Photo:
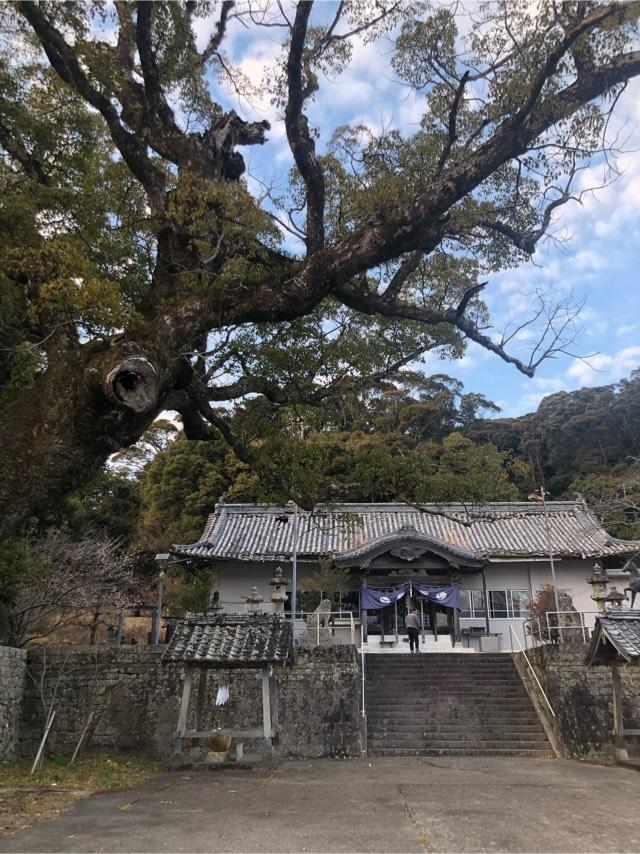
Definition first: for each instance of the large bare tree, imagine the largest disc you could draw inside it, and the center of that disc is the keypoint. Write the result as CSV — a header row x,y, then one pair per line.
x,y
398,232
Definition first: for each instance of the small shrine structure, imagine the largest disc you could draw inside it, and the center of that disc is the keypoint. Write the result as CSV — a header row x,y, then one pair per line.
x,y
206,642
616,642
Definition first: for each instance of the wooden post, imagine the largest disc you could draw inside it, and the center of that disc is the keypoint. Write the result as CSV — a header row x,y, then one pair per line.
x,y
618,725
395,609
201,697
457,636
364,616
184,710
487,624
38,761
434,617
81,739
266,711
273,696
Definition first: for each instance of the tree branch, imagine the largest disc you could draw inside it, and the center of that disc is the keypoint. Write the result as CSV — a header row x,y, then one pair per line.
x,y
150,73
300,141
218,35
452,125
64,60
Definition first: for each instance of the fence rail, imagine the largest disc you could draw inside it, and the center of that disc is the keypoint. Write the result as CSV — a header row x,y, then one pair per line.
x,y
559,627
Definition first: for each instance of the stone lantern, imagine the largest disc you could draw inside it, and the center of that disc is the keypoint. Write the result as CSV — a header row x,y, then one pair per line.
x,y
614,598
253,601
279,596
598,581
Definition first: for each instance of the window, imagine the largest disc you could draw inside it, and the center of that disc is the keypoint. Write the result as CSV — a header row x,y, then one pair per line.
x,y
472,604
519,604
498,604
503,604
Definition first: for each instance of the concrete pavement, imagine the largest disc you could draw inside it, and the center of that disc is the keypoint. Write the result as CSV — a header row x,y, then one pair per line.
x,y
372,805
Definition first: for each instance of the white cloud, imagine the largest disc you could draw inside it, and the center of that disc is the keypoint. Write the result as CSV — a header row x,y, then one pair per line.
x,y
604,368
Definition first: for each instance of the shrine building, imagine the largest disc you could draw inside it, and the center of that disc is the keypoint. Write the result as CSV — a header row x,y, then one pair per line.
x,y
497,556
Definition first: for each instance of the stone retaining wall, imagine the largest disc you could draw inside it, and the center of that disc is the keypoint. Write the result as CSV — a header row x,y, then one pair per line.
x,y
12,684
581,698
136,700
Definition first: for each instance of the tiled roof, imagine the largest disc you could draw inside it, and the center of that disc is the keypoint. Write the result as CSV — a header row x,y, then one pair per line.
x,y
408,533
497,530
231,640
618,631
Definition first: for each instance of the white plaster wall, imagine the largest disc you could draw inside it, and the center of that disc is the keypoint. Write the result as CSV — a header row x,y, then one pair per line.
x,y
237,580
531,575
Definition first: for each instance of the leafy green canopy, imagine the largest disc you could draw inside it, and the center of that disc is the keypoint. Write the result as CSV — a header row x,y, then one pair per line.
x,y
139,273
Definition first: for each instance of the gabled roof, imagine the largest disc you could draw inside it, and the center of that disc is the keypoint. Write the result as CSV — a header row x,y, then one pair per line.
x,y
248,532
616,638
409,539
231,640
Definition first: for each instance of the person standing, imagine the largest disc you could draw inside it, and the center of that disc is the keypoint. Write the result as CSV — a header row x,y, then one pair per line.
x,y
412,625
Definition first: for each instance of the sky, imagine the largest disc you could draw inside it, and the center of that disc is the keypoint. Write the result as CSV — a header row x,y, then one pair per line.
x,y
596,257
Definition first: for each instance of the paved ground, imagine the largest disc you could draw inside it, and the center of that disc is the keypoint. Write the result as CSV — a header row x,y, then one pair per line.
x,y
374,805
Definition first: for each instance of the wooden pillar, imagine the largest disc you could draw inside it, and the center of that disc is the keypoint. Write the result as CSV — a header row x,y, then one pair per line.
x,y
364,614
395,614
618,725
266,711
487,624
200,698
434,619
184,710
273,696
457,635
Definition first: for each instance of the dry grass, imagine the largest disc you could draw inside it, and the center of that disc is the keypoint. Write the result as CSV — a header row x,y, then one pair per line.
x,y
25,799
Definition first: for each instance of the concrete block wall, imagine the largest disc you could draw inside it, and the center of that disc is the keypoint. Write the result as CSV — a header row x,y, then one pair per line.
x,y
581,698
13,666
136,699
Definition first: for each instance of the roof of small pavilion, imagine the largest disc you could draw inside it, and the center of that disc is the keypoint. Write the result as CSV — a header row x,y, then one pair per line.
x,y
497,530
616,638
231,640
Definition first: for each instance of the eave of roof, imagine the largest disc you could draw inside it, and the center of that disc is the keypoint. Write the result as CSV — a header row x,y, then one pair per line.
x,y
621,629
411,536
498,530
230,640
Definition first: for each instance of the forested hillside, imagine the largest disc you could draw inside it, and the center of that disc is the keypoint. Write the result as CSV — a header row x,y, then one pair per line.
x,y
586,442
414,439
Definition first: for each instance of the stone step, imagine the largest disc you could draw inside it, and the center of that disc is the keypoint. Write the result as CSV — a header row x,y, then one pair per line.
x,y
426,706
460,684
437,663
428,690
426,739
427,673
424,659
423,704
469,748
522,753
384,723
477,656
420,676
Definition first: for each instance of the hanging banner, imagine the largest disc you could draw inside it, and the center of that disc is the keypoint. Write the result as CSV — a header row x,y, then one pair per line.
x,y
372,599
447,596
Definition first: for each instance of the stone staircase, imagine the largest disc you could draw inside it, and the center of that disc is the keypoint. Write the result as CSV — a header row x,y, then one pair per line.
x,y
450,705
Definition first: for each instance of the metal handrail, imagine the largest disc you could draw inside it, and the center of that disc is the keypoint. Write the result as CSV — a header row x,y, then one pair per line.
x,y
535,675
561,627
364,714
